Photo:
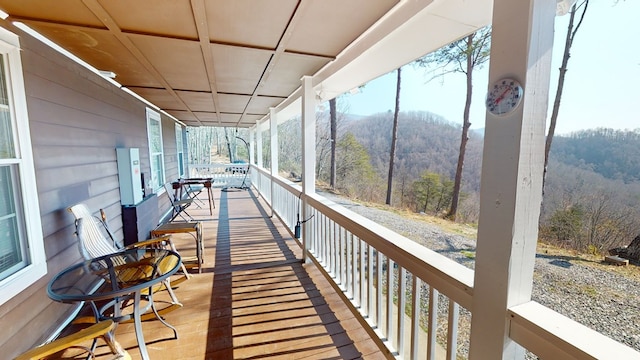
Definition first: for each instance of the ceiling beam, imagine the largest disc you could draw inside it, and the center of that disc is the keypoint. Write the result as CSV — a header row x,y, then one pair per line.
x,y
199,13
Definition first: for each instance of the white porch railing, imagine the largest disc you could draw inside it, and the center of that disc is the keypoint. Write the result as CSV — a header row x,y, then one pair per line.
x,y
223,175
357,254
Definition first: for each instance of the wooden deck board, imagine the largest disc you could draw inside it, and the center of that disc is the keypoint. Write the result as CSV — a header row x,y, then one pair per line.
x,y
254,298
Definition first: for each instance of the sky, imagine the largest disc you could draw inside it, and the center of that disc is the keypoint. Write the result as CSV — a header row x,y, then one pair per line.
x,y
602,85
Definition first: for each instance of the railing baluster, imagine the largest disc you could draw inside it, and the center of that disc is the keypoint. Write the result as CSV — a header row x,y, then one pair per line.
x,y
363,277
342,258
322,241
402,301
416,310
326,245
433,323
452,330
356,269
370,289
390,293
311,241
332,261
338,266
338,255
347,264
379,290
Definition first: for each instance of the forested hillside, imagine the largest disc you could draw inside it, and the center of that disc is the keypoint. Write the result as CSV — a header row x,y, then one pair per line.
x,y
614,154
592,193
426,142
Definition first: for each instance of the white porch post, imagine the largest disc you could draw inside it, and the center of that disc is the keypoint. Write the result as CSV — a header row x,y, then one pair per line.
x,y
273,117
512,167
259,145
308,154
252,145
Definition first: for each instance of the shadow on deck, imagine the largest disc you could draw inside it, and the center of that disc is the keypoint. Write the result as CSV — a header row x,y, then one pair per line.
x,y
254,298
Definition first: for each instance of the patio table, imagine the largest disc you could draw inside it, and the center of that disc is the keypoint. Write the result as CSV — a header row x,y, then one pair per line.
x,y
206,182
116,278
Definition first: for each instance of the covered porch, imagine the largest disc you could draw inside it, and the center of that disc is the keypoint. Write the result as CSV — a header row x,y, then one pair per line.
x,y
192,61
254,299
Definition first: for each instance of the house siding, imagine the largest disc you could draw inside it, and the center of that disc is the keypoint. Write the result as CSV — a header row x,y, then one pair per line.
x,y
77,119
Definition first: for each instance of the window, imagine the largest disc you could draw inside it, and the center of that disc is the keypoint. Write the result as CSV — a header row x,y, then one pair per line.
x,y
22,257
180,147
156,154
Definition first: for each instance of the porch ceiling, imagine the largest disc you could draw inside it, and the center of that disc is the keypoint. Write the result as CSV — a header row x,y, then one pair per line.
x,y
225,63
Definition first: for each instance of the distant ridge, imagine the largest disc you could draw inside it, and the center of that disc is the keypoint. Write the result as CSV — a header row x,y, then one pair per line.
x,y
428,142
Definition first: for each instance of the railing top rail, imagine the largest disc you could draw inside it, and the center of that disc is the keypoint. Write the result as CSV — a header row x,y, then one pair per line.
x,y
288,185
551,335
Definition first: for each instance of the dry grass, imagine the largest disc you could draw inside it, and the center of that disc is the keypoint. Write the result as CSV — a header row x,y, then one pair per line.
x,y
597,261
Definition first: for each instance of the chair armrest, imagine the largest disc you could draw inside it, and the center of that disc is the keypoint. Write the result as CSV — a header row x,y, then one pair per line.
x,y
66,342
159,241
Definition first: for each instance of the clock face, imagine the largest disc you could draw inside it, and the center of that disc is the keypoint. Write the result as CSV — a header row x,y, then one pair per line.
x,y
504,96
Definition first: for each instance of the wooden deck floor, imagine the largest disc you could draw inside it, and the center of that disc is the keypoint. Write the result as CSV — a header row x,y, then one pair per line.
x,y
254,298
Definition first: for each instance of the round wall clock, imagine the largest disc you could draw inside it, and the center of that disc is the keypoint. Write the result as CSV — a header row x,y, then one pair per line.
x,y
504,96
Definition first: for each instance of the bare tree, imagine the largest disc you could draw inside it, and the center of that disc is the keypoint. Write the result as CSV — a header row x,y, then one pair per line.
x,y
571,35
229,146
394,138
326,139
333,119
461,56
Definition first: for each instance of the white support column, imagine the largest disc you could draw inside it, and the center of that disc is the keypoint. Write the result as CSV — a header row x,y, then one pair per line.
x,y
308,153
259,156
252,145
511,185
273,117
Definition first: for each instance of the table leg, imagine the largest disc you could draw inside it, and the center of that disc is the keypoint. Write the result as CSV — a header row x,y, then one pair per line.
x,y
138,326
210,200
199,246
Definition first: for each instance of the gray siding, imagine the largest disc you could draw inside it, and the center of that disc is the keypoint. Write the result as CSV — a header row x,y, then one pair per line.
x,y
77,120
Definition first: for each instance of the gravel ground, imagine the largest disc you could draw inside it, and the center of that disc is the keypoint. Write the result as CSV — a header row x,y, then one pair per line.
x,y
590,294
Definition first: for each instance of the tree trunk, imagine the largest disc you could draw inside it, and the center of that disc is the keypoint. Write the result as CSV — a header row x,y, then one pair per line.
x,y
334,124
426,201
226,135
394,137
571,33
465,131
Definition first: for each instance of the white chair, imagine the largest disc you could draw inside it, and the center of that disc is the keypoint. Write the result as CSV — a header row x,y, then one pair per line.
x,y
178,206
93,242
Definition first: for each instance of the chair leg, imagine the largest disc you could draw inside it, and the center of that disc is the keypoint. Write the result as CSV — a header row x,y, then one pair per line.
x,y
183,210
184,268
174,298
193,195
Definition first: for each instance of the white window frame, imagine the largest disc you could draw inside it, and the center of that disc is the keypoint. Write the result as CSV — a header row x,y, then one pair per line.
x,y
179,150
28,203
157,184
